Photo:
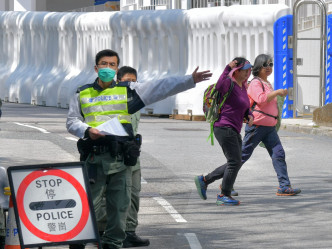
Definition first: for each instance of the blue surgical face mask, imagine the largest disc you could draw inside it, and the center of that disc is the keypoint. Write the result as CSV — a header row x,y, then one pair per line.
x,y
106,74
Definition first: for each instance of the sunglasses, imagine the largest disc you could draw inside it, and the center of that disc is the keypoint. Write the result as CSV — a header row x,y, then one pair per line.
x,y
268,64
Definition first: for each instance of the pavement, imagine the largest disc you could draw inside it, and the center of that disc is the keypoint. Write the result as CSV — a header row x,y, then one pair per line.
x,y
305,125
299,125
174,151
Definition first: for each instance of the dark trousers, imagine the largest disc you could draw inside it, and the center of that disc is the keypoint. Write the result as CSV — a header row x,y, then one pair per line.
x,y
231,143
253,136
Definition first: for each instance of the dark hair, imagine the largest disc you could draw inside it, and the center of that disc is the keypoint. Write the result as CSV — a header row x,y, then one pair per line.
x,y
124,70
108,53
240,60
259,61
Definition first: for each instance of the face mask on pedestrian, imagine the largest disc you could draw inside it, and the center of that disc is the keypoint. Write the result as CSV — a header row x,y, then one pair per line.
x,y
106,74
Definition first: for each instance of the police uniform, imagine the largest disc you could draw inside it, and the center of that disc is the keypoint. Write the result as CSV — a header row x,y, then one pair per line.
x,y
92,106
2,229
132,219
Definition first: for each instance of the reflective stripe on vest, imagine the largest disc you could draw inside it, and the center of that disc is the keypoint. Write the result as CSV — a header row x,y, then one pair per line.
x,y
104,118
99,107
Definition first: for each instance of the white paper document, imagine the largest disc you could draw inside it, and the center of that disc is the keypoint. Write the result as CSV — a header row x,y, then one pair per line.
x,y
112,127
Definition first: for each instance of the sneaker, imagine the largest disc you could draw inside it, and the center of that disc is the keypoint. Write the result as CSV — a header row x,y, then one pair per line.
x,y
201,186
132,240
287,191
233,193
226,200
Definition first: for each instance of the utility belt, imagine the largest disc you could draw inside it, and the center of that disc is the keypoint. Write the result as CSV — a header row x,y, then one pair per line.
x,y
100,149
127,150
114,150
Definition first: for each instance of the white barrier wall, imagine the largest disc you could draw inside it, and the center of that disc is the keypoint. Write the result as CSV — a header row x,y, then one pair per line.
x,y
45,56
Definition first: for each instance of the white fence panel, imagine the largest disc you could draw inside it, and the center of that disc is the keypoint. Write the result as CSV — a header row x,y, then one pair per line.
x,y
219,34
45,56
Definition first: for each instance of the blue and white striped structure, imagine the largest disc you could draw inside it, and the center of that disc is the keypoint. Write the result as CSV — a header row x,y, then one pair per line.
x,y
328,89
283,60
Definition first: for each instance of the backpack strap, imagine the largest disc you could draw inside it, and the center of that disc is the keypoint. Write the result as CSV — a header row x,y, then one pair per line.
x,y
227,94
220,105
254,104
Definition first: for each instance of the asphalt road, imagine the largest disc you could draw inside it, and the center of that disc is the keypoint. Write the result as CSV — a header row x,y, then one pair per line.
x,y
172,215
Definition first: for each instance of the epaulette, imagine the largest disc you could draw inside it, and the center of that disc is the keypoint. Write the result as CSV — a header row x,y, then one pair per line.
x,y
81,88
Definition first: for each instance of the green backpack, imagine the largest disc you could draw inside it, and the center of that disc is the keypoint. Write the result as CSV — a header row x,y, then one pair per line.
x,y
212,103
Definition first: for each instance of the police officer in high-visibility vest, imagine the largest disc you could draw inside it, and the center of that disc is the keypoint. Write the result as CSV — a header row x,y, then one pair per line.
x,y
127,73
108,158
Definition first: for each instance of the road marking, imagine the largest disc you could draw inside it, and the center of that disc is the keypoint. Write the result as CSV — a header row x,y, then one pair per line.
x,y
298,138
193,241
143,181
72,138
168,207
33,127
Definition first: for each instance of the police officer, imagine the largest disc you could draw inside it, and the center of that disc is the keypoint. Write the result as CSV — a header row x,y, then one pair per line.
x,y
94,104
126,73
2,229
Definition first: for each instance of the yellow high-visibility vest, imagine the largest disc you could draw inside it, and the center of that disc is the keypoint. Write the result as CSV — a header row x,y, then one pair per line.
x,y
100,106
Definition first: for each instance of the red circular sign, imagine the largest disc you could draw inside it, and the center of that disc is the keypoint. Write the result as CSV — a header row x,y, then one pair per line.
x,y
34,230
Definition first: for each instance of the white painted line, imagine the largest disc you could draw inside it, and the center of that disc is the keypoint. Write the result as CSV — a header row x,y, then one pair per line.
x,y
168,207
33,127
143,181
72,138
193,241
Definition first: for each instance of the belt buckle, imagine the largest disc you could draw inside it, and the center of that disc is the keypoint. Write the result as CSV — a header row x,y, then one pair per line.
x,y
96,150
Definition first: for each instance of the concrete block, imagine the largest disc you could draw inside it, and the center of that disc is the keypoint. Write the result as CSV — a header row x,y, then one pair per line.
x,y
323,115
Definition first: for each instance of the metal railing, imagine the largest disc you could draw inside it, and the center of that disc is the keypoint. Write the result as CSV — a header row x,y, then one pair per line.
x,y
177,4
129,2
309,17
154,4
199,4
308,21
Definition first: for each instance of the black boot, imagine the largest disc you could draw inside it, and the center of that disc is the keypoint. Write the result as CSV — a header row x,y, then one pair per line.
x,y
132,240
2,242
76,246
107,246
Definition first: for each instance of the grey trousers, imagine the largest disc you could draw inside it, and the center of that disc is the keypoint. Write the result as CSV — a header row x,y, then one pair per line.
x,y
231,144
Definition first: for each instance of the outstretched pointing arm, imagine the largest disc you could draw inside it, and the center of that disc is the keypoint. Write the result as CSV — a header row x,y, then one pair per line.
x,y
153,91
